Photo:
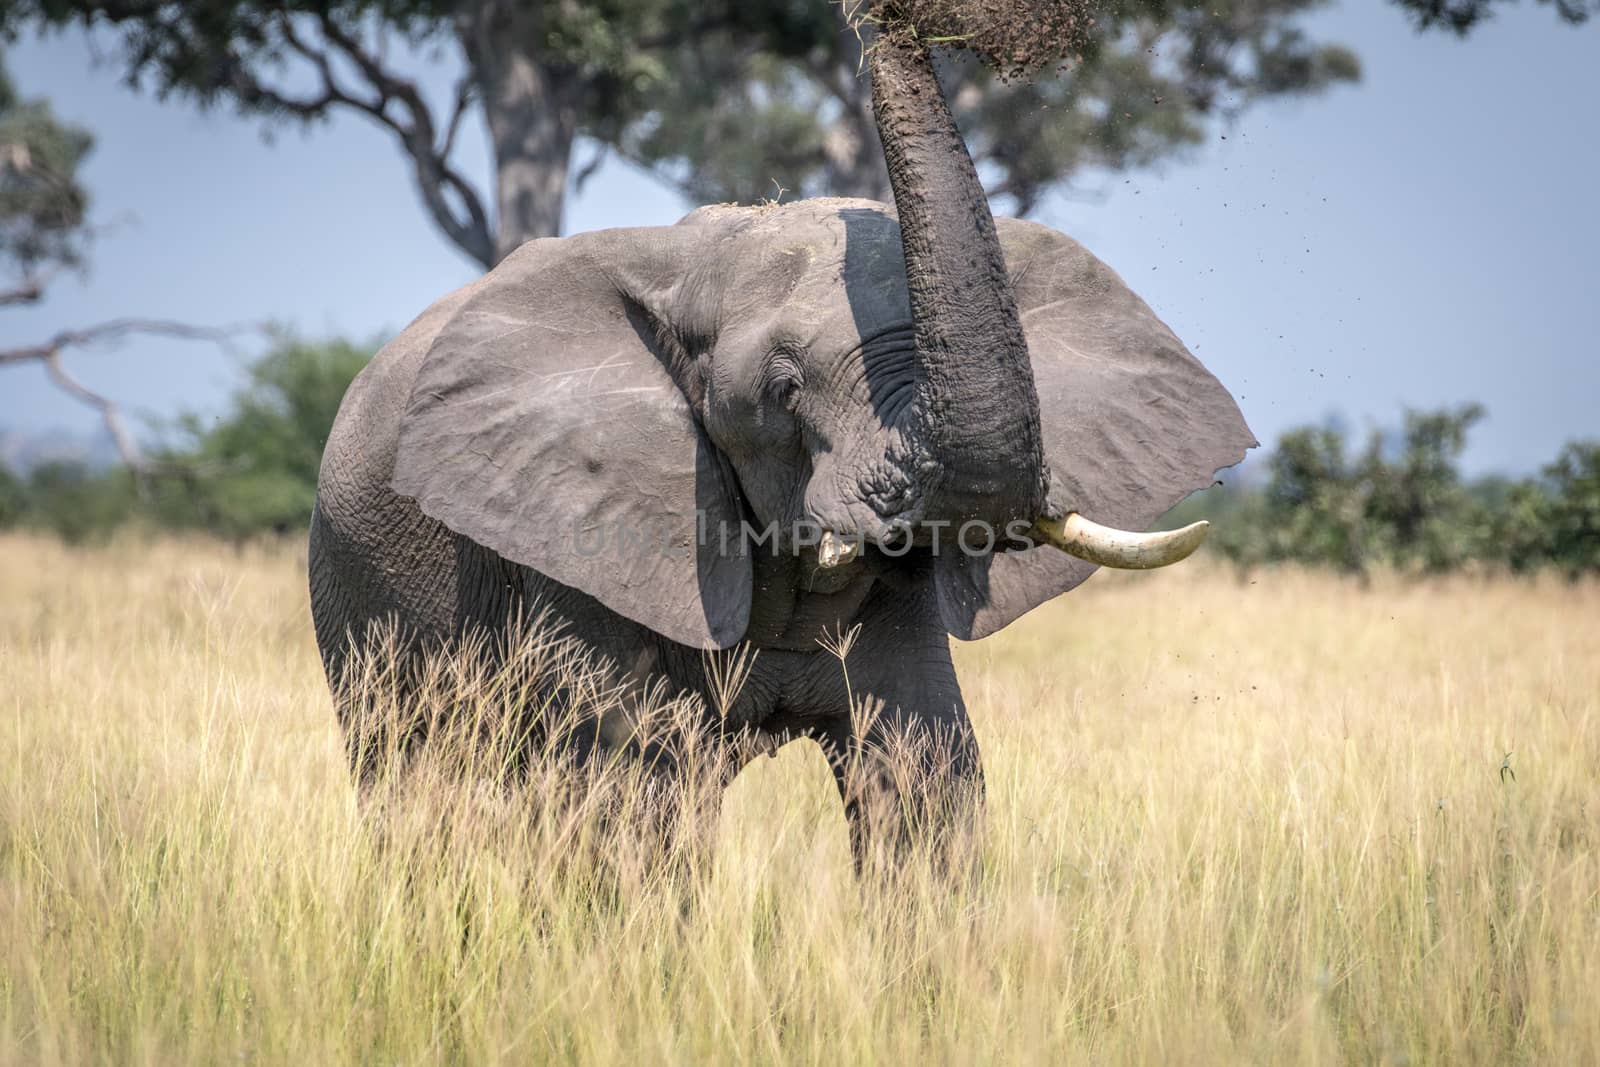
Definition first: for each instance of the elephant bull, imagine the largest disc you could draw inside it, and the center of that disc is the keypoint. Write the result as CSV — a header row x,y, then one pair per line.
x,y
890,379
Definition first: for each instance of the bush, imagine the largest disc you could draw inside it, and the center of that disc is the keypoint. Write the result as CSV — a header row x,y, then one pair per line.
x,y
70,499
255,471
250,472
1571,519
13,497
1403,504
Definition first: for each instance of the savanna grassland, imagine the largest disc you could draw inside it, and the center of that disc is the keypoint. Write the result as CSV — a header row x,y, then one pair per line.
x,y
1284,819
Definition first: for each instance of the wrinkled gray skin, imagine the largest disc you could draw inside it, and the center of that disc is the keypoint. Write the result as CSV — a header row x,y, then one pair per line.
x,y
806,362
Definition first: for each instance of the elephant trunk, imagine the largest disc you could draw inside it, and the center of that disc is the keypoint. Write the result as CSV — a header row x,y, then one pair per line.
x,y
974,419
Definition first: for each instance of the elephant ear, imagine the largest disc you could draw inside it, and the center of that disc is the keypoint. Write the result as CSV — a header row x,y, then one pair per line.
x,y
1132,422
550,422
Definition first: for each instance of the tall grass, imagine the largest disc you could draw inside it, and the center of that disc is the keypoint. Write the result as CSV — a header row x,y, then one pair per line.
x,y
1286,820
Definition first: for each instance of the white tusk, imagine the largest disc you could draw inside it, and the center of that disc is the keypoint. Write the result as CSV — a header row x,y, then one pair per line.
x,y
834,551
1111,547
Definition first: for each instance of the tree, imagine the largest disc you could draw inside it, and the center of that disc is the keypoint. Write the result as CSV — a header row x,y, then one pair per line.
x,y
1315,502
538,72
255,469
720,97
1143,84
1403,503
1572,518
1415,501
1463,16
44,229
1515,514
73,502
43,207
724,99
250,471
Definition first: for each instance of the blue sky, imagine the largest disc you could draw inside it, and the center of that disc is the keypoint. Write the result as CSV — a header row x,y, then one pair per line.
x,y
1428,237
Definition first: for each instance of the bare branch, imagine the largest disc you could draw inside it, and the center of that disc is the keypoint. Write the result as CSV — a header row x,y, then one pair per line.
x,y
398,105
29,291
434,174
464,98
332,92
386,84
116,330
127,446
587,170
49,355
251,90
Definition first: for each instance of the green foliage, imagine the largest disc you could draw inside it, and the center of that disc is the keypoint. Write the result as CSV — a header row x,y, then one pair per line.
x,y
1463,16
42,206
1312,492
796,111
1418,515
730,100
727,100
13,497
228,52
1571,519
1402,503
249,472
256,469
73,501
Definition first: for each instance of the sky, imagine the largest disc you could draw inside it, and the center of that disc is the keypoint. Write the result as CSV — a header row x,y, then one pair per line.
x,y
1428,237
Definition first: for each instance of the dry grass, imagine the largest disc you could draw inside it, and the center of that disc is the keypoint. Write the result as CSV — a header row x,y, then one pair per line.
x,y
1262,822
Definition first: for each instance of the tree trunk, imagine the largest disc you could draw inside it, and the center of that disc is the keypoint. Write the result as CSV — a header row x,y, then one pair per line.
x,y
854,155
531,110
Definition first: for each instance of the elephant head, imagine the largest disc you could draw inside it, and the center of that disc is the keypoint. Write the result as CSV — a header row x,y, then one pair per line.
x,y
605,408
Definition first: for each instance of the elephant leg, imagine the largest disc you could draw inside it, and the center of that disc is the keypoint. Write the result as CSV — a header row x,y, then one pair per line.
x,y
905,757
910,783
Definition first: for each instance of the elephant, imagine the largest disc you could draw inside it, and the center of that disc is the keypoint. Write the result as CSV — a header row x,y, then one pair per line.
x,y
857,390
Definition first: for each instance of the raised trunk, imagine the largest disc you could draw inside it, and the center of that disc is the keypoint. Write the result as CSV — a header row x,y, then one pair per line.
x,y
531,111
975,412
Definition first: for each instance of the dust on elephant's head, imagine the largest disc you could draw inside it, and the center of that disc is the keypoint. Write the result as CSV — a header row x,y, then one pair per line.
x,y
605,396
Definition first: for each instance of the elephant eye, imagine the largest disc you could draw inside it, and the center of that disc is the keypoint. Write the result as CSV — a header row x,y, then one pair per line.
x,y
784,391
783,379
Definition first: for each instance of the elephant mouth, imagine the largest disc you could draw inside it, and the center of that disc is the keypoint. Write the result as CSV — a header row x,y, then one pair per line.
x,y
1073,534
835,551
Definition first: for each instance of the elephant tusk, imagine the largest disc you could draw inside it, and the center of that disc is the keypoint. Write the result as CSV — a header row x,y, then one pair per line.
x,y
834,551
1125,549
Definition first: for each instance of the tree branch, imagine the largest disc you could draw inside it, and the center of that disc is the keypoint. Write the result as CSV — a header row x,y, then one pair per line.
x,y
29,291
49,355
411,122
434,174
464,97
587,170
